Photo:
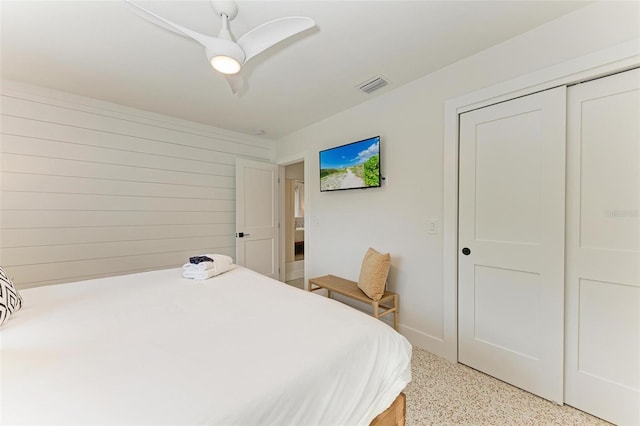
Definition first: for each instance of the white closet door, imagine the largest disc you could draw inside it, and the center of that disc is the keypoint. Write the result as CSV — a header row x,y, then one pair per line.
x,y
511,218
603,248
257,233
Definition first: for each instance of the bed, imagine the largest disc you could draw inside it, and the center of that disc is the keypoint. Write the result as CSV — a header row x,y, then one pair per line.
x,y
299,241
299,235
155,348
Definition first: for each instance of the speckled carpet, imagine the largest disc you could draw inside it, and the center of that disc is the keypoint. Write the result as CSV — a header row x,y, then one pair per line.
x,y
443,393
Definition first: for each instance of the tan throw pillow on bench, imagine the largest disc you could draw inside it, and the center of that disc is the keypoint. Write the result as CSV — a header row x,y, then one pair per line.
x,y
373,274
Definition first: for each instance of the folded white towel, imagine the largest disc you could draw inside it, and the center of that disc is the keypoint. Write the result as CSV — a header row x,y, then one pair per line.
x,y
199,275
220,260
202,266
221,263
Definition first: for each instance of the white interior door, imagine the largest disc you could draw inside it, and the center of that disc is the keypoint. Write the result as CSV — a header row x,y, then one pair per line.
x,y
257,233
511,219
603,248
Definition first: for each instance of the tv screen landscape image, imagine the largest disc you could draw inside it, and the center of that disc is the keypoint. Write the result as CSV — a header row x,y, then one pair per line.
x,y
352,166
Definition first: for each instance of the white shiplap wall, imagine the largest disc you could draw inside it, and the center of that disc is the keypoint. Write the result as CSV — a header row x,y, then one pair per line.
x,y
91,189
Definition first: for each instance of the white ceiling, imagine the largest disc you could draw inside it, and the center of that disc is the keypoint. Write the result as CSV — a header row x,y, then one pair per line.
x,y
101,50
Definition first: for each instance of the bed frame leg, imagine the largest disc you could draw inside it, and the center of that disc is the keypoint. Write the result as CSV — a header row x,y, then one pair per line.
x,y
394,415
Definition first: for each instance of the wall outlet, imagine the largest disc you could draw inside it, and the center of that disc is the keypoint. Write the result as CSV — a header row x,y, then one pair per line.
x,y
432,226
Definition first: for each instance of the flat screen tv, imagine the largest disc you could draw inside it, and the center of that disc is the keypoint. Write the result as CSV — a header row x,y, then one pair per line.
x,y
352,166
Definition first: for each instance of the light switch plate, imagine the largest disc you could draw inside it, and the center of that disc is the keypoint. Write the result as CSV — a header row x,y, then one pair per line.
x,y
432,226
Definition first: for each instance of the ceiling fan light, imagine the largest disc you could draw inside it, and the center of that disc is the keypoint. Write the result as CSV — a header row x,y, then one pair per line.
x,y
225,64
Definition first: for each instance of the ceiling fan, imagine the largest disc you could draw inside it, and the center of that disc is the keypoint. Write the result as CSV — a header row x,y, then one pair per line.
x,y
225,54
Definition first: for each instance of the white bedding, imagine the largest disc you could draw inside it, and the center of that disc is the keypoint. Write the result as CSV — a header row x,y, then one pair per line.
x,y
155,348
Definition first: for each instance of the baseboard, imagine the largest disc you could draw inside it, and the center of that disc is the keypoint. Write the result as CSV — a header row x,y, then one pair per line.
x,y
429,343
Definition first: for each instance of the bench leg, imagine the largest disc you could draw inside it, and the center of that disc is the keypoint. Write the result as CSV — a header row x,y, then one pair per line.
x,y
395,313
376,313
329,293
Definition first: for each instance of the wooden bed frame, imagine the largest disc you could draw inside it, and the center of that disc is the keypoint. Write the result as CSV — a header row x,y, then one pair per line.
x,y
394,415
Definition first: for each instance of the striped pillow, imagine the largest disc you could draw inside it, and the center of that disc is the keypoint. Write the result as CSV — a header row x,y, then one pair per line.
x,y
10,300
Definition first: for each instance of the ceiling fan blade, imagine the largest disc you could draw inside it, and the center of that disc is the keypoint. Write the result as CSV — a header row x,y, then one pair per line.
x,y
236,81
270,33
168,25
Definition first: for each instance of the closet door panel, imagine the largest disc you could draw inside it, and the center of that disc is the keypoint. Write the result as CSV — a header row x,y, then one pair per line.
x,y
511,218
603,248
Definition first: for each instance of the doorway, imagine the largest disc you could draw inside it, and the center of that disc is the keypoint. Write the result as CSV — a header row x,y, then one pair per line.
x,y
294,224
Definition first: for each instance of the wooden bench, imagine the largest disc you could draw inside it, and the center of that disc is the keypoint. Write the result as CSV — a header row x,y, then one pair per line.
x,y
386,305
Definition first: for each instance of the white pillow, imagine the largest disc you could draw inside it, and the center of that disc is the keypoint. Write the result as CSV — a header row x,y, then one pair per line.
x,y
10,300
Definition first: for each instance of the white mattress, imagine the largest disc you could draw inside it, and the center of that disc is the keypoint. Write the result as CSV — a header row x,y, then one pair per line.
x,y
154,348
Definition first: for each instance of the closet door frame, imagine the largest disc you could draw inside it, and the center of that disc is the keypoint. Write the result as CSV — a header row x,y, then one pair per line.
x,y
608,61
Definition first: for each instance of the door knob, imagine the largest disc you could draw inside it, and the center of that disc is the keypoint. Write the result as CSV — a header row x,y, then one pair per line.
x,y
466,251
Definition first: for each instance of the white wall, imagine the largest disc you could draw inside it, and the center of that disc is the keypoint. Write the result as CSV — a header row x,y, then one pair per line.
x,y
90,189
410,119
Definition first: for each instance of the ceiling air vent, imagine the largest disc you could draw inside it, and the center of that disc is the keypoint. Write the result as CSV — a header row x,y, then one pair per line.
x,y
373,85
